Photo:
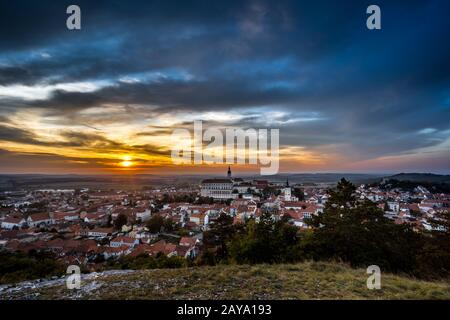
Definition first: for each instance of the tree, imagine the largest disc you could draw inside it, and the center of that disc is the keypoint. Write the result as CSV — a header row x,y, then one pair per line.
x,y
267,241
120,221
204,200
358,233
155,223
216,239
434,256
169,225
16,267
298,192
108,223
269,191
343,195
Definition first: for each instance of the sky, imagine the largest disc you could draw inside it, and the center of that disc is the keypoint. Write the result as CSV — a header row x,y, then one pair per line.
x,y
106,98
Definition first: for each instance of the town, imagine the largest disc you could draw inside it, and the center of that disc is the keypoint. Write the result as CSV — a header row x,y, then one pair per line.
x,y
91,227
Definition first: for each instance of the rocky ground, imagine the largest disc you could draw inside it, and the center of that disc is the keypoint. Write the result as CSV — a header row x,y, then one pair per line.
x,y
287,281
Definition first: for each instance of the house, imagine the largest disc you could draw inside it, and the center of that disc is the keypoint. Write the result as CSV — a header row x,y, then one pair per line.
x,y
55,244
39,219
66,216
296,217
187,247
186,252
94,218
310,211
393,206
71,245
124,241
141,249
109,252
12,223
295,204
188,241
163,247
100,232
143,215
201,219
260,184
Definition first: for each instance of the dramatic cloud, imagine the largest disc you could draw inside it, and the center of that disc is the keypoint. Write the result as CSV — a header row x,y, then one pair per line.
x,y
343,97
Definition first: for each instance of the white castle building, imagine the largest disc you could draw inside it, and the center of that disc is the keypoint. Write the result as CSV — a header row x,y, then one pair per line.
x,y
219,188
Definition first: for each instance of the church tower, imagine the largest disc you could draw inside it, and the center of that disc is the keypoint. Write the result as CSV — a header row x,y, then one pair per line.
x,y
287,191
229,172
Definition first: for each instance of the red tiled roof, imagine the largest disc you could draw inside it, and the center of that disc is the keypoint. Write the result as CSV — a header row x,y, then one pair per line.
x,y
102,230
12,220
123,239
217,180
188,241
40,217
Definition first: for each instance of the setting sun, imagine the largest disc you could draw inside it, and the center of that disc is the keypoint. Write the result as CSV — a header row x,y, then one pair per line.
x,y
126,163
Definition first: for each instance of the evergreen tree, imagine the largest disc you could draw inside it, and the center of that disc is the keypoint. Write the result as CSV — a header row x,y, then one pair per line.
x,y
120,221
358,233
216,239
434,257
155,223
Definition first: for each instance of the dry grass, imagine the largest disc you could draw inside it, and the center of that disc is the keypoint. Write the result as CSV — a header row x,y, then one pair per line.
x,y
309,280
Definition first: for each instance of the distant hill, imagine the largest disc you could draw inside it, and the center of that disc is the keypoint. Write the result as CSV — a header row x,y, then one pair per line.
x,y
120,182
309,280
138,181
421,177
319,178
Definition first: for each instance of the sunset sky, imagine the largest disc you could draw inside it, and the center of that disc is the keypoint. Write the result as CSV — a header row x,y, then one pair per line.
x,y
106,99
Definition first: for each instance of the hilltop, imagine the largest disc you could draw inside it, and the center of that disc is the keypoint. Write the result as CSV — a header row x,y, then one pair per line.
x,y
309,280
421,177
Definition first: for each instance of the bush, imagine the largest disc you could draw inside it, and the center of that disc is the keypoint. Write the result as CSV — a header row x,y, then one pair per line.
x,y
16,267
144,261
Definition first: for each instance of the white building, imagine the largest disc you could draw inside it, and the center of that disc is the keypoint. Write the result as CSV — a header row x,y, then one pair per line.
x,y
124,241
144,215
11,223
39,219
393,206
100,232
219,188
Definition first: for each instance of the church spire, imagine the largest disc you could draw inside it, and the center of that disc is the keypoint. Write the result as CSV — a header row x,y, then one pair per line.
x,y
287,182
229,172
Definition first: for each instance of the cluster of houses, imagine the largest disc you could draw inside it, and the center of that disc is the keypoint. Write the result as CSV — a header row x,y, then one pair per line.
x,y
79,225
404,207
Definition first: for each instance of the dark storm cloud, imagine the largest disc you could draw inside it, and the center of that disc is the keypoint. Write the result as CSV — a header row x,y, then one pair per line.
x,y
14,134
175,95
373,91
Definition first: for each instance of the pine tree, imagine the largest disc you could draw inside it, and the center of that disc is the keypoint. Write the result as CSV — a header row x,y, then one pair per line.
x,y
357,232
220,233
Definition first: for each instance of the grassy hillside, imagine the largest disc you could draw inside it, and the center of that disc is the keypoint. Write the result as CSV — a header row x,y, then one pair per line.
x,y
286,281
